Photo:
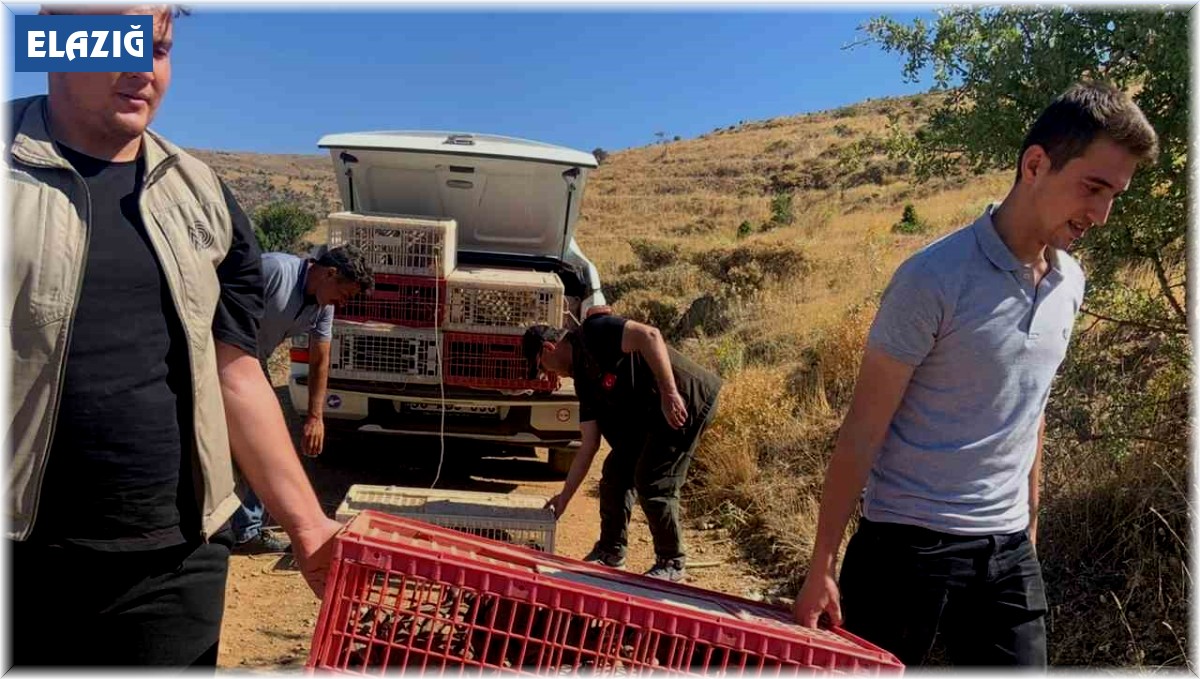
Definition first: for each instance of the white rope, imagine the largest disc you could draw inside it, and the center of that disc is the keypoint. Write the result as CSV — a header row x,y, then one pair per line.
x,y
437,347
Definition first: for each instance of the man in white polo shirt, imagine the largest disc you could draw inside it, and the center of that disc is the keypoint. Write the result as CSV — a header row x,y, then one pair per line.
x,y
945,426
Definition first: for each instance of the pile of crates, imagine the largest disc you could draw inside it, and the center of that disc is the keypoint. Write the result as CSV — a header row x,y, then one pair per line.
x,y
429,320
411,596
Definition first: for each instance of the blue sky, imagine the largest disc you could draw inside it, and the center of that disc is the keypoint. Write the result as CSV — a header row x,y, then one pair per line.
x,y
275,80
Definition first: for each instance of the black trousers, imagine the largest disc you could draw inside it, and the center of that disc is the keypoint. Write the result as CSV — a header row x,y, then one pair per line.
x,y
651,466
983,595
81,607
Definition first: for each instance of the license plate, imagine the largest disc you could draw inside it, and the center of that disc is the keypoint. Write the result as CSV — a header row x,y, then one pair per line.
x,y
451,409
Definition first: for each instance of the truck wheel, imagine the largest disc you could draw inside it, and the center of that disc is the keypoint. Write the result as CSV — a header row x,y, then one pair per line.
x,y
560,460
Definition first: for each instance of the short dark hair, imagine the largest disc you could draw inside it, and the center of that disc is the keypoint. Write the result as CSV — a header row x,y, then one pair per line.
x,y
1085,111
350,263
531,344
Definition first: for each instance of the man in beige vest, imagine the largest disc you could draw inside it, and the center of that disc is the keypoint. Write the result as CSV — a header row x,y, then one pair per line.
x,y
133,301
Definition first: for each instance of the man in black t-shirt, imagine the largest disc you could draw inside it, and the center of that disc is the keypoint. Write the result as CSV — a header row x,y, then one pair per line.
x,y
133,308
651,403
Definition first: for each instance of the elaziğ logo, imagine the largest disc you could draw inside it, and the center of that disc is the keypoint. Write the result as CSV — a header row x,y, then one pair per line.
x,y
88,43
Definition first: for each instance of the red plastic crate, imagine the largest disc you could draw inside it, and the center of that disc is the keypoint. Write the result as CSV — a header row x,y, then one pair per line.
x,y
488,361
402,594
410,301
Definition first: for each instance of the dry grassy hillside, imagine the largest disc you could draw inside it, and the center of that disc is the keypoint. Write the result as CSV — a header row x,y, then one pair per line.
x,y
761,249
662,223
258,178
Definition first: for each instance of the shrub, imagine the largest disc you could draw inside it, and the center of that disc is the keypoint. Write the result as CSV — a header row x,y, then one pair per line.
x,y
654,254
649,308
777,145
731,357
910,223
745,229
280,227
781,209
709,314
776,260
672,281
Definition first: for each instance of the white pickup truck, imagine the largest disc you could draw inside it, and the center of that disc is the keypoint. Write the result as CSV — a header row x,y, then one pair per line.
x,y
516,203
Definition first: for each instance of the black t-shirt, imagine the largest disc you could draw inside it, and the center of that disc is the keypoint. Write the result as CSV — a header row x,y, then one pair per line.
x,y
121,472
619,391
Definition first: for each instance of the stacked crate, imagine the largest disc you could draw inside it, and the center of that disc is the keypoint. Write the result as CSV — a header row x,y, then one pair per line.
x,y
390,333
507,517
429,321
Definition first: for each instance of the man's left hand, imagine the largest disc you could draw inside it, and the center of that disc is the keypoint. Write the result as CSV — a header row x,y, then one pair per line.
x,y
314,436
674,409
313,549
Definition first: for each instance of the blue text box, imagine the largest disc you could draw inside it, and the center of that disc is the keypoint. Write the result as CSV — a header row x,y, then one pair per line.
x,y
84,43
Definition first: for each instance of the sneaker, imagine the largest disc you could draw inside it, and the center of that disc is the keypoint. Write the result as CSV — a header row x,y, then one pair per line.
x,y
668,569
604,557
265,542
273,541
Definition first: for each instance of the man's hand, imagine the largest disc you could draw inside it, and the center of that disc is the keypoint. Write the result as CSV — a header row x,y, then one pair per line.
x,y
314,549
819,594
674,409
558,504
314,436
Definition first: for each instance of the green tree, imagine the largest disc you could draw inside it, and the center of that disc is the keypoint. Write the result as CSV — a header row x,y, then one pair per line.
x,y
281,227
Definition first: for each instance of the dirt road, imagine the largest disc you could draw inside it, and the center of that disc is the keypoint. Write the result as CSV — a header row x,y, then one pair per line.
x,y
270,612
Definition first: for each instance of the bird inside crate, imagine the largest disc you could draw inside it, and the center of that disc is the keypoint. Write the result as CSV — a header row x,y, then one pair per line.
x,y
502,308
484,357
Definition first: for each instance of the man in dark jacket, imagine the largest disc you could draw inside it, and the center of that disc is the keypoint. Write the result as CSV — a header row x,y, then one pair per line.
x,y
132,313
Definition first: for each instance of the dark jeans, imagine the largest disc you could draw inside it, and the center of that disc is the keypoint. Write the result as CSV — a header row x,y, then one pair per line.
x,y
653,467
982,595
80,607
248,520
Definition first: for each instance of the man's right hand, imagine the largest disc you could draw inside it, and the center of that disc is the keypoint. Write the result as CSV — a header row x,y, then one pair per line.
x,y
819,594
314,436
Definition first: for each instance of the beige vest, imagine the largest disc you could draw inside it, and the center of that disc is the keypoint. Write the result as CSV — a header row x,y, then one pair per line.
x,y
190,229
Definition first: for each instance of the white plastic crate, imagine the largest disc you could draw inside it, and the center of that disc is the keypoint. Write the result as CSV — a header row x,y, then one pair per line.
x,y
409,245
384,352
518,519
502,301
